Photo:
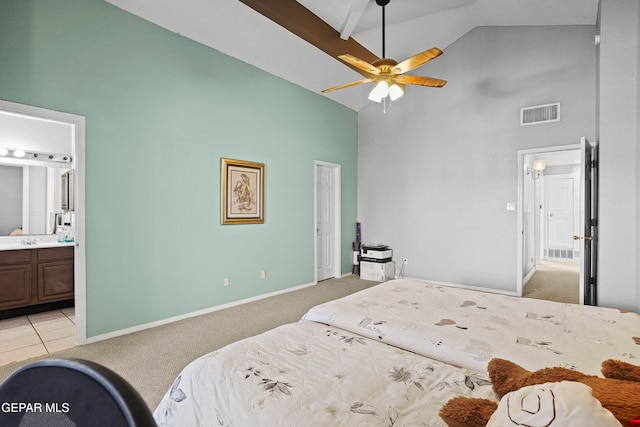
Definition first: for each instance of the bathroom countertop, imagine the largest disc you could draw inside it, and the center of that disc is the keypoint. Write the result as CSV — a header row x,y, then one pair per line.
x,y
19,246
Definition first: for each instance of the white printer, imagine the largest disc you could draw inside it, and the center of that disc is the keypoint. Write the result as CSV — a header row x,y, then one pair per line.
x,y
376,253
376,263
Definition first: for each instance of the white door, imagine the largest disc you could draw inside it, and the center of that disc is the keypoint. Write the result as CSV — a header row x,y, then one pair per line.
x,y
325,221
560,215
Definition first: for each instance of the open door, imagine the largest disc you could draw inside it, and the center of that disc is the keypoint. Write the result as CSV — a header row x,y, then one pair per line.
x,y
589,223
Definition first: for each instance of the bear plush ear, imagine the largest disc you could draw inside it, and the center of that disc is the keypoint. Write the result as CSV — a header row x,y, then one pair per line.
x,y
467,412
620,370
557,404
507,376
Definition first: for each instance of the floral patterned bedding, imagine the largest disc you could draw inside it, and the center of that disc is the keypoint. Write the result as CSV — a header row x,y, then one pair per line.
x,y
390,355
311,374
468,328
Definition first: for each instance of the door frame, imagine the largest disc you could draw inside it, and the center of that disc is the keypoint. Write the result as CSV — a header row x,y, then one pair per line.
x,y
337,216
520,210
78,145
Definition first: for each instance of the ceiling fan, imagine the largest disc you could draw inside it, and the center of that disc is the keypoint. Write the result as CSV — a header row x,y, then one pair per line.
x,y
387,73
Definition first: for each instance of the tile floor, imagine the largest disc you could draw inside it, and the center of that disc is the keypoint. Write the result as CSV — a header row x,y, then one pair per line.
x,y
36,334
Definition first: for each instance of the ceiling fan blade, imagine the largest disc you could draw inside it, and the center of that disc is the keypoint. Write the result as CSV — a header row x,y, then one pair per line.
x,y
360,64
359,82
416,61
419,80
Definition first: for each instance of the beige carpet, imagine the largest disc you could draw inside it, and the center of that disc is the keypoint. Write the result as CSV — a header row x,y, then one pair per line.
x,y
151,359
555,281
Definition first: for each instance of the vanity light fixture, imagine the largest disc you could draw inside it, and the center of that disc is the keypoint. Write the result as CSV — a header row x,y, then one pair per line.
x,y
32,155
538,167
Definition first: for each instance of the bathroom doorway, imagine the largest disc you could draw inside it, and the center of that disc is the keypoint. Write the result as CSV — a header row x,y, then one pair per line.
x,y
76,140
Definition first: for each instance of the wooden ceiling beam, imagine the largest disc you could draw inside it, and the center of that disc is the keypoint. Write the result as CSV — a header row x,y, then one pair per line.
x,y
296,18
355,13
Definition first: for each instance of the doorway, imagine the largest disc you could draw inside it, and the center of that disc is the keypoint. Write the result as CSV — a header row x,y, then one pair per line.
x,y
76,140
327,220
550,199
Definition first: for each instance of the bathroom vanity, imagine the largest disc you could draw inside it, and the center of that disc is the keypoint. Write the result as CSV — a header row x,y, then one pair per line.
x,y
33,277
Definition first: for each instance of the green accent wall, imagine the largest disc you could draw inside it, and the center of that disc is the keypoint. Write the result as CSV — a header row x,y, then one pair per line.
x,y
161,110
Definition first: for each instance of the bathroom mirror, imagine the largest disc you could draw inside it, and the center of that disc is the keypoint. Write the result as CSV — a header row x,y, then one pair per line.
x,y
31,198
34,153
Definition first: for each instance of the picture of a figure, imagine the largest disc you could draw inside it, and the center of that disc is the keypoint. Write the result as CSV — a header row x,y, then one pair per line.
x,y
244,197
242,192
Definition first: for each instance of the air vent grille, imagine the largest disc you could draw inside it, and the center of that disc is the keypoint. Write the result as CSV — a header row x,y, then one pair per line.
x,y
562,253
540,114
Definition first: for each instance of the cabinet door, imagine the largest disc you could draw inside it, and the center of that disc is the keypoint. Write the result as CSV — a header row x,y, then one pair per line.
x,y
15,286
55,281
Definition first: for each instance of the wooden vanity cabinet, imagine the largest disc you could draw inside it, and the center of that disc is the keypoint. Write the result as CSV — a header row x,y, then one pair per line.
x,y
55,274
30,277
16,278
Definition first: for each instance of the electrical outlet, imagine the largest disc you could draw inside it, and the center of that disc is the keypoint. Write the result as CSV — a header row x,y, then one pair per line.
x,y
226,281
263,274
405,261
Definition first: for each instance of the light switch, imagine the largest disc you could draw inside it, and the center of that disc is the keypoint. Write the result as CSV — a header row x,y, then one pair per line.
x,y
511,206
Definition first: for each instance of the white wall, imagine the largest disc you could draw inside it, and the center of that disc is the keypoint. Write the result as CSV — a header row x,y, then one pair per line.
x,y
619,231
437,170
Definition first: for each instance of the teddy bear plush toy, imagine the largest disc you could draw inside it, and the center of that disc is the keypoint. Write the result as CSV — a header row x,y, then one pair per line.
x,y
552,397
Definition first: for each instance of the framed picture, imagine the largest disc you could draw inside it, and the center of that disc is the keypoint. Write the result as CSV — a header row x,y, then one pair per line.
x,y
242,192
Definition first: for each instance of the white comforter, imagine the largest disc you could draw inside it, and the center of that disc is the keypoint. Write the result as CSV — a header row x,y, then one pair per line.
x,y
390,355
467,328
310,374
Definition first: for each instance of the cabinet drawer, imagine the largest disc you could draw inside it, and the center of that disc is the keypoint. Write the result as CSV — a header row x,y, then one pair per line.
x,y
55,281
50,254
15,286
16,257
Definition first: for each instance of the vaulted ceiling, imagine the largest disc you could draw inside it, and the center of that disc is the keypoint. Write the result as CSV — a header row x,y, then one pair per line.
x,y
299,40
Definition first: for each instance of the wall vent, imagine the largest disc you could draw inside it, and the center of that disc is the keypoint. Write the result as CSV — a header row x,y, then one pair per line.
x,y
540,114
561,253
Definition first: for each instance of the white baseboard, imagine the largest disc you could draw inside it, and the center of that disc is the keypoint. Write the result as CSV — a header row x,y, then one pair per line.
x,y
192,314
528,276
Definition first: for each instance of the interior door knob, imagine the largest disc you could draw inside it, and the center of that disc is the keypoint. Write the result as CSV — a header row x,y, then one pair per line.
x,y
589,238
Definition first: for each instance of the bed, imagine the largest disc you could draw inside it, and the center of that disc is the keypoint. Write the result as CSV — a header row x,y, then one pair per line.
x,y
390,355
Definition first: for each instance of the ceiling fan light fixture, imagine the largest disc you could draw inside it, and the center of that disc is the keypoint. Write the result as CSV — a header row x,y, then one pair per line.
x,y
380,91
373,97
396,91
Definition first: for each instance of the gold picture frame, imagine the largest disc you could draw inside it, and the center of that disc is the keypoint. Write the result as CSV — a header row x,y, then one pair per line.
x,y
242,192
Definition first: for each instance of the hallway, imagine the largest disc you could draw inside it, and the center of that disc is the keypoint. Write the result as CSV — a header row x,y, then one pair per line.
x,y
555,280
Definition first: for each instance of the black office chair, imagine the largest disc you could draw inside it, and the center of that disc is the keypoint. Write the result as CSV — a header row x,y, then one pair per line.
x,y
70,392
